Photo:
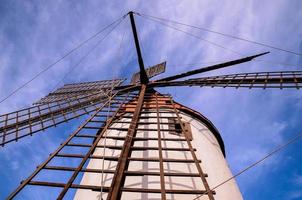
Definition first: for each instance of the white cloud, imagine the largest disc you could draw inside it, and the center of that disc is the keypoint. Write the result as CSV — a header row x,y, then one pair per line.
x,y
298,180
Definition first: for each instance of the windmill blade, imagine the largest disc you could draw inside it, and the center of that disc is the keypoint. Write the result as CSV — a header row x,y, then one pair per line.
x,y
79,90
213,67
63,105
282,79
27,121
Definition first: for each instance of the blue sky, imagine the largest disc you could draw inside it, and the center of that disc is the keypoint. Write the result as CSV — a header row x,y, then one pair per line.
x,y
252,122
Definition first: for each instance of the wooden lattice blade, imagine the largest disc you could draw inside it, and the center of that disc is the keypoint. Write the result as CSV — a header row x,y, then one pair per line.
x,y
65,104
282,79
34,119
79,90
100,117
213,67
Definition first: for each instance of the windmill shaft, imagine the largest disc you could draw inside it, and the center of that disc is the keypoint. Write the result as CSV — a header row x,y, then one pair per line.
x,y
143,74
213,67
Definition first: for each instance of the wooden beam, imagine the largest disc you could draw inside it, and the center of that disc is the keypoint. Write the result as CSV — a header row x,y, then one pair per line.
x,y
123,162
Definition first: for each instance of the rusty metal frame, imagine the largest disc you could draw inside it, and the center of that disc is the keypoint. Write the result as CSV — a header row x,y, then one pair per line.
x,y
98,136
160,152
40,117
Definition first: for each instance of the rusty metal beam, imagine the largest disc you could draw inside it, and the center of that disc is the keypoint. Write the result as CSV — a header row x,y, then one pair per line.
x,y
160,152
213,67
143,75
119,176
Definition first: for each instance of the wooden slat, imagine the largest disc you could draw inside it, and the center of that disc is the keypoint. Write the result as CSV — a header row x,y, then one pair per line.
x,y
160,154
170,191
4,132
106,189
136,138
76,186
134,148
128,173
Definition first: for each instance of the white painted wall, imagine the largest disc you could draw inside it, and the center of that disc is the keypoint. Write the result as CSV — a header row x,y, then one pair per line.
x,y
208,150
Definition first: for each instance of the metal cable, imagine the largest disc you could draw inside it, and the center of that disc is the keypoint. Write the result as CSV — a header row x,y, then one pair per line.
x,y
88,53
120,54
218,61
194,36
143,51
223,34
279,148
158,20
105,139
198,64
60,59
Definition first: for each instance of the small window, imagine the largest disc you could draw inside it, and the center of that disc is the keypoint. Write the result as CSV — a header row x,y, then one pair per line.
x,y
168,102
175,125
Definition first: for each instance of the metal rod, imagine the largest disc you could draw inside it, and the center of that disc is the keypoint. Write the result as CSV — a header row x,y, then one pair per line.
x,y
143,76
160,152
119,176
213,67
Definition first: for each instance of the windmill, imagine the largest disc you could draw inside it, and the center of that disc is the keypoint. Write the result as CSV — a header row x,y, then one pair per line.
x,y
131,123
